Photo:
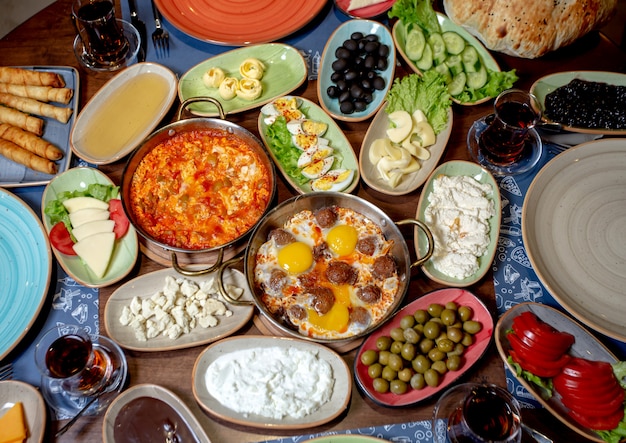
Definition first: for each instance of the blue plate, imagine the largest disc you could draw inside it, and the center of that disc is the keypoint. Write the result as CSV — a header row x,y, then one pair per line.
x,y
342,33
25,271
126,249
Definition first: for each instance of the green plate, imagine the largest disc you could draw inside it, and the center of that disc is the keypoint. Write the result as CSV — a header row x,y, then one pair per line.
x,y
126,249
285,70
454,168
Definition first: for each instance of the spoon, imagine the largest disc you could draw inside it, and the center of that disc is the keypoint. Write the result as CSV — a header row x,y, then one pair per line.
x,y
79,413
538,436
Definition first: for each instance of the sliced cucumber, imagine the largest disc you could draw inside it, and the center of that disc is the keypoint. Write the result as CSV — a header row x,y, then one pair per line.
x,y
457,84
443,70
478,79
471,59
438,46
426,62
454,42
415,42
455,64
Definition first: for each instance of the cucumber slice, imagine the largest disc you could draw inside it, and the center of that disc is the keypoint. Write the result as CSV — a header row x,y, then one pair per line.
x,y
454,42
443,70
471,59
439,48
426,62
415,42
478,79
455,64
457,84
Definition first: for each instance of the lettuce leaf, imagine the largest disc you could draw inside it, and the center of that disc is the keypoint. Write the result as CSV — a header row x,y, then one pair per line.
x,y
419,12
281,144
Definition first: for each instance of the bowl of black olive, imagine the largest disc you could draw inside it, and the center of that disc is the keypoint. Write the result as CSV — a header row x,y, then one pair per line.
x,y
356,70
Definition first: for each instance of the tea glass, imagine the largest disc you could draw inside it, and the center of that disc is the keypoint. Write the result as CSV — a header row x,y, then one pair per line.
x,y
506,142
68,354
477,413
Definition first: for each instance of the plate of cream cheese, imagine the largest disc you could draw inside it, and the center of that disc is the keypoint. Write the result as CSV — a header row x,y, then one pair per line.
x,y
460,203
235,380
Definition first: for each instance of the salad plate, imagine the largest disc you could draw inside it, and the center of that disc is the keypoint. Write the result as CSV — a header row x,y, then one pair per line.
x,y
245,23
13,175
399,38
149,284
547,84
456,168
336,405
470,356
285,70
165,403
573,231
286,159
412,181
11,392
126,249
26,270
132,103
341,34
366,11
585,346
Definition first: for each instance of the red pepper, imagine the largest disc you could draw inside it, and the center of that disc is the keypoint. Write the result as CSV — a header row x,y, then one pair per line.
x,y
61,240
599,423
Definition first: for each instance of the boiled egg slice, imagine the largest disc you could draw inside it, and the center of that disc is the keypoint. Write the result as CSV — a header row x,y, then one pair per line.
x,y
306,142
318,168
309,127
314,154
336,180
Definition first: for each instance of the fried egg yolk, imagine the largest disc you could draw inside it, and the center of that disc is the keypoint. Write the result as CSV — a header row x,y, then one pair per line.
x,y
295,258
342,239
338,318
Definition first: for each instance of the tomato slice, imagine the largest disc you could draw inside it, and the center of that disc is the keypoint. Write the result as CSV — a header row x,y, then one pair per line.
x,y
118,215
539,371
527,323
599,423
581,367
61,239
536,358
594,406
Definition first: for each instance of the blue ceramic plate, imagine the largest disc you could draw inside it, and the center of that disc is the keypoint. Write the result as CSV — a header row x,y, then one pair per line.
x,y
453,168
13,175
285,70
126,249
25,271
342,33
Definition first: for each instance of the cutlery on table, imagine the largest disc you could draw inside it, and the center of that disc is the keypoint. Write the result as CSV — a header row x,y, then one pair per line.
x,y
141,27
6,372
160,37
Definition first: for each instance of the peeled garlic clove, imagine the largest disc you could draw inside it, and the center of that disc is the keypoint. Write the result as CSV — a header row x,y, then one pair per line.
x,y
249,89
228,88
413,166
414,148
252,68
403,124
419,116
378,149
213,77
426,132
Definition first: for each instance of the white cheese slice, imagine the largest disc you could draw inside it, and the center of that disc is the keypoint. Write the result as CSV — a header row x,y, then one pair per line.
x,y
96,251
78,203
87,215
357,4
93,227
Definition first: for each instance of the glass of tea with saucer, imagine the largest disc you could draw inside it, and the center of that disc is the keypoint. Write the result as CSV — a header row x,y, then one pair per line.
x,y
506,142
75,366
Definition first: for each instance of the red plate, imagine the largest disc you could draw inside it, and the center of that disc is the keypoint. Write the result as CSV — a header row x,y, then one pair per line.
x,y
472,354
367,12
239,22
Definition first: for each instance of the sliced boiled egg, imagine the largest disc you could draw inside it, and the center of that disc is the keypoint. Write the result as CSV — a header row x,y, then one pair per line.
x,y
318,168
308,141
306,126
336,180
286,106
314,154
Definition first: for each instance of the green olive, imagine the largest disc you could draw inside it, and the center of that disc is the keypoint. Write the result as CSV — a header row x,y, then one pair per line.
x,y
419,328
398,387
445,345
383,357
389,374
397,334
448,317
395,362
440,366
468,339
472,326
465,313
408,321
436,354
405,374
375,370
453,363
369,357
459,349
432,329
409,351
383,343
455,334
421,316
411,336
381,385
417,381
396,347
452,305
434,309
431,377
426,345
421,364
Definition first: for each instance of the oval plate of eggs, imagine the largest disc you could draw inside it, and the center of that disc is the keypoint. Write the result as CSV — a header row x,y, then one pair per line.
x,y
309,148
243,78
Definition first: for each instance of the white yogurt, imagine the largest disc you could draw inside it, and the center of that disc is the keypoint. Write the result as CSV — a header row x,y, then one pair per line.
x,y
458,215
271,382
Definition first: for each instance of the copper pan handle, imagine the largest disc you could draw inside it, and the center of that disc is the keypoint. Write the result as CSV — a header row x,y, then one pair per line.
x,y
429,236
220,282
198,272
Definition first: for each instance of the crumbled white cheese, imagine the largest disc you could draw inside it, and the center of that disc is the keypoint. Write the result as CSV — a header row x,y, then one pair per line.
x,y
176,309
271,382
458,215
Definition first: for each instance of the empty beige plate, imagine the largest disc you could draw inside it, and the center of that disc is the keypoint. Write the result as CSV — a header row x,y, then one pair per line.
x,y
12,392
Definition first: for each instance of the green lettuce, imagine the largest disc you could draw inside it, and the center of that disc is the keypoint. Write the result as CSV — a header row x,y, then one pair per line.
x,y
280,142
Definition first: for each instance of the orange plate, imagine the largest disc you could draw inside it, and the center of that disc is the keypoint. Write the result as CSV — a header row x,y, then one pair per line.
x,y
239,22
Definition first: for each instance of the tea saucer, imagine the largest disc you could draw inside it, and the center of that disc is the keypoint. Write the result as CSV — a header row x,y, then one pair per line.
x,y
131,34
66,405
532,151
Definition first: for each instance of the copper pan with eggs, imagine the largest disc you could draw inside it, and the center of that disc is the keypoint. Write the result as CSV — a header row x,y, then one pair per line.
x,y
328,267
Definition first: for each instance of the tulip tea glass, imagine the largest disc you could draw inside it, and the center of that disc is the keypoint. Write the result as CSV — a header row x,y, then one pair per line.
x,y
506,142
477,413
67,353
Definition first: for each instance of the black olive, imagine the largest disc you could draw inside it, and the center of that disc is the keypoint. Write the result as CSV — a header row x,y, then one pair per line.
x,y
356,91
379,83
350,45
340,64
346,107
336,76
342,52
359,105
344,96
366,83
332,91
382,64
342,85
383,50
371,37
351,75
370,62
371,75
368,97
356,35
371,47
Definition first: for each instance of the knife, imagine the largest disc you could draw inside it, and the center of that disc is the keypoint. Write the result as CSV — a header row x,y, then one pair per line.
x,y
141,27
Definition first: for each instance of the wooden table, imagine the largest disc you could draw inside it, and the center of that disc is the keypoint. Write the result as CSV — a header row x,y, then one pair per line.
x,y
46,39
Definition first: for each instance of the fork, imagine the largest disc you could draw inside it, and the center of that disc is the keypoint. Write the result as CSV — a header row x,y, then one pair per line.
x,y
160,37
6,372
